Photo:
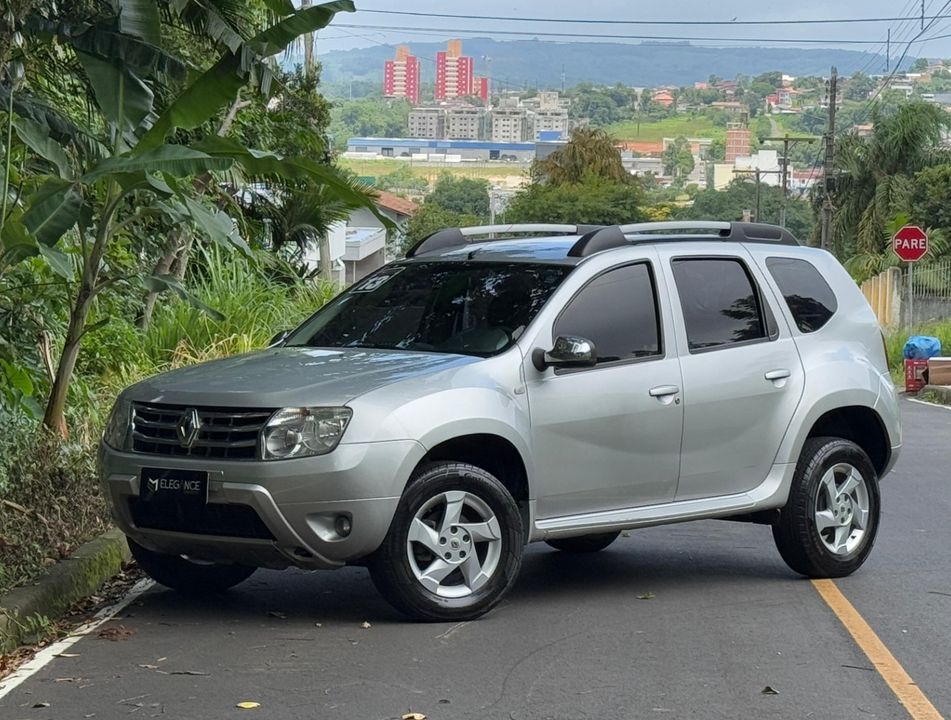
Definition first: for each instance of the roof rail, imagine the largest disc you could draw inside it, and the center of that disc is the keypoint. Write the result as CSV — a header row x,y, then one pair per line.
x,y
614,236
459,237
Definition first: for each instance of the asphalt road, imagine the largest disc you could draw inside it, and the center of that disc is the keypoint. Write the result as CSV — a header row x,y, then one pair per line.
x,y
687,621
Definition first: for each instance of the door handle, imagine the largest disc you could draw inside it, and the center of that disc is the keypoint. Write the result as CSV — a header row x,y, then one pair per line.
x,y
663,391
780,374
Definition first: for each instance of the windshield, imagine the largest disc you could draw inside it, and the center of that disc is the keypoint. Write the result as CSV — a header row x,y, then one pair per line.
x,y
449,307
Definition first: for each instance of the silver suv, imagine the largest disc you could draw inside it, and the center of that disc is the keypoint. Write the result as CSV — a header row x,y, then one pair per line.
x,y
486,393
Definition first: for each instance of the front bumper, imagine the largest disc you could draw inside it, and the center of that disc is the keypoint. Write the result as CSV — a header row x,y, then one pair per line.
x,y
296,500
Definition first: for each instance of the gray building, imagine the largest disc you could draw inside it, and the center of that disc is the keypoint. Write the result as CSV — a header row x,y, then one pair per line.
x,y
427,123
552,121
465,122
511,126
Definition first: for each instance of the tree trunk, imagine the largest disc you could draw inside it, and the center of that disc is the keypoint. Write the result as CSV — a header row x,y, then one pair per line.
x,y
54,417
326,261
308,46
162,267
181,261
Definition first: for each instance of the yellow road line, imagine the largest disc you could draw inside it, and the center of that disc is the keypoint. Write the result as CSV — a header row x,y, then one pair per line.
x,y
905,689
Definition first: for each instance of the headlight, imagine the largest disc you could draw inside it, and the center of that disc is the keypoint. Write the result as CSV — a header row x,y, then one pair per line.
x,y
302,432
117,429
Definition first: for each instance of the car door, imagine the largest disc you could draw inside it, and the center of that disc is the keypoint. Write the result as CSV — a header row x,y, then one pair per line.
x,y
742,376
608,436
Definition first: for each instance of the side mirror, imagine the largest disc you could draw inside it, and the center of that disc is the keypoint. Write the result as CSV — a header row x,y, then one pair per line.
x,y
568,352
279,338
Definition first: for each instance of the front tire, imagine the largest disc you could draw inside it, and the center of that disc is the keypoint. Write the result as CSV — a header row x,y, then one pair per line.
x,y
829,523
185,576
584,543
454,547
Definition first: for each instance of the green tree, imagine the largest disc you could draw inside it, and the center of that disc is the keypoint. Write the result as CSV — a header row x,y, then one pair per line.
x,y
739,198
930,194
858,87
919,65
773,78
461,195
593,199
429,219
368,117
100,184
403,179
876,180
589,151
678,159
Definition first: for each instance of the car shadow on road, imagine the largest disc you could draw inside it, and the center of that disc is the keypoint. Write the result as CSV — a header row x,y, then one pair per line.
x,y
628,567
642,564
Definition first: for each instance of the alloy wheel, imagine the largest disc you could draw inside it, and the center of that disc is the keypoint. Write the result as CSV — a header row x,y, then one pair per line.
x,y
842,509
454,544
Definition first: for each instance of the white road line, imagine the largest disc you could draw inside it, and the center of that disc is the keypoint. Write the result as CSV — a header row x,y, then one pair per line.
x,y
49,653
925,402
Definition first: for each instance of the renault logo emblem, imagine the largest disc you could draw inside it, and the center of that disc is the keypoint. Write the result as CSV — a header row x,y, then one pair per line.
x,y
188,426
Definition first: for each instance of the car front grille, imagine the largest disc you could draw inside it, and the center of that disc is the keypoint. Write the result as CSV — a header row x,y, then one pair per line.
x,y
230,520
226,433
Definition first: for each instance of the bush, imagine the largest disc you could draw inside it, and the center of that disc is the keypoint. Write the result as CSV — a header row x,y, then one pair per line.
x,y
49,500
254,305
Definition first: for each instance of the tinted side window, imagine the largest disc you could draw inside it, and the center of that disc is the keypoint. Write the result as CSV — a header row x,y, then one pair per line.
x,y
719,301
618,312
809,297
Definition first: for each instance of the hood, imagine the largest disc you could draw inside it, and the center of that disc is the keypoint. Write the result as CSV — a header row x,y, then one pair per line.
x,y
290,377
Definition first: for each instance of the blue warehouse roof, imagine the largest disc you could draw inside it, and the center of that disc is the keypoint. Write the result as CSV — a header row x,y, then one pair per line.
x,y
422,144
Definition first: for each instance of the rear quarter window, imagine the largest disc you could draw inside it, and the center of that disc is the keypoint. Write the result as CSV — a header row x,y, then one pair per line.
x,y
809,297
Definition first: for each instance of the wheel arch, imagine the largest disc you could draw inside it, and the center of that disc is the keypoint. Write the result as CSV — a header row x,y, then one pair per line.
x,y
859,424
489,451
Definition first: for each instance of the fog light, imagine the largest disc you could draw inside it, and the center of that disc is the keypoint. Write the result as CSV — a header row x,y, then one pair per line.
x,y
342,525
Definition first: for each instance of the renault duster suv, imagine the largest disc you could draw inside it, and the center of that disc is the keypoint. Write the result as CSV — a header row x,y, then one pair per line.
x,y
482,394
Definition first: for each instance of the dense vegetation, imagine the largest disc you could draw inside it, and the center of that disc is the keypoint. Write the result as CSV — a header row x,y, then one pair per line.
x,y
155,160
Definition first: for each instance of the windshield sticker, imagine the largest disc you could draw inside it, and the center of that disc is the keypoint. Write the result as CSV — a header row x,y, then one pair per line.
x,y
377,281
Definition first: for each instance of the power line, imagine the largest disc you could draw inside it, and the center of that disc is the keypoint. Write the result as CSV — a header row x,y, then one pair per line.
x,y
884,85
606,36
594,21
492,80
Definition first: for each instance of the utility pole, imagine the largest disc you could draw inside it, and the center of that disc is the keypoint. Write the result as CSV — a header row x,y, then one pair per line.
x,y
757,218
922,15
757,175
888,51
829,168
787,142
308,45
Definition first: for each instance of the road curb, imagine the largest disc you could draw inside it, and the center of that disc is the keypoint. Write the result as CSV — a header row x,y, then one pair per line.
x,y
25,610
936,393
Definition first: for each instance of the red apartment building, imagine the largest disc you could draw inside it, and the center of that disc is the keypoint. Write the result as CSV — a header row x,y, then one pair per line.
x,y
454,72
481,88
401,76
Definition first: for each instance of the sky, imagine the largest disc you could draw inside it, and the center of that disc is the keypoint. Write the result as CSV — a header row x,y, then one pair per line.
x,y
376,29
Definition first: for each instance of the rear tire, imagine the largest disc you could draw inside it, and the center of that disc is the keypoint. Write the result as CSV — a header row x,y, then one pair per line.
x,y
829,523
454,547
584,543
186,576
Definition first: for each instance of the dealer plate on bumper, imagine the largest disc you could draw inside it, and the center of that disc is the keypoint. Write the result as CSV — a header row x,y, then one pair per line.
x,y
175,488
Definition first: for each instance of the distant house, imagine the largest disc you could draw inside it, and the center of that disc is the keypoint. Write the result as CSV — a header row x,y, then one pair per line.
x,y
663,97
731,106
396,208
366,236
727,87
